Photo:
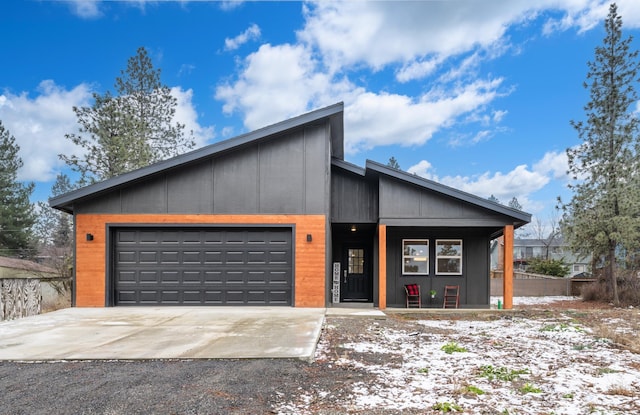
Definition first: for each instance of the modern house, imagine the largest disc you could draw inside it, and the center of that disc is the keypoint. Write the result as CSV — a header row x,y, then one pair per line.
x,y
278,217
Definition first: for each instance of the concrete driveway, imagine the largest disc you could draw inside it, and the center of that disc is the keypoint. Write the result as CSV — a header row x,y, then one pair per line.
x,y
163,333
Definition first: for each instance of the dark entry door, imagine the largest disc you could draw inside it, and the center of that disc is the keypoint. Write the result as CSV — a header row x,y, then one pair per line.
x,y
356,283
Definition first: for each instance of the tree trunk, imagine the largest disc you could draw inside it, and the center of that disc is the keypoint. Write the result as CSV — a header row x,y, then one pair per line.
x,y
613,279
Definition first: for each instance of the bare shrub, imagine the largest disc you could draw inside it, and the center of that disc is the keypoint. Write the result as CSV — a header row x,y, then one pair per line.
x,y
628,291
595,291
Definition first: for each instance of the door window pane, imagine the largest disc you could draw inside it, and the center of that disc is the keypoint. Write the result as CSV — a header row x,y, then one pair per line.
x,y
356,261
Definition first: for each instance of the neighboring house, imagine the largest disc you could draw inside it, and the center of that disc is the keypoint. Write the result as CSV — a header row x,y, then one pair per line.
x,y
14,268
277,217
525,249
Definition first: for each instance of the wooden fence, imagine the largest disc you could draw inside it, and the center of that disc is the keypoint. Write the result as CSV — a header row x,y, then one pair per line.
x,y
532,285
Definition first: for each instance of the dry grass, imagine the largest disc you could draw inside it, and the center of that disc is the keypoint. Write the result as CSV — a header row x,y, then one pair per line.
x,y
628,291
624,337
622,391
63,301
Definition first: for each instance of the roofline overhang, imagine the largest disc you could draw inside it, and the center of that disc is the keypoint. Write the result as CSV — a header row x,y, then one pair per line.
x,y
333,112
348,167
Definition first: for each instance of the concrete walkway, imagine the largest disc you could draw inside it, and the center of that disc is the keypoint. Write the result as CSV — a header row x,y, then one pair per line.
x,y
163,333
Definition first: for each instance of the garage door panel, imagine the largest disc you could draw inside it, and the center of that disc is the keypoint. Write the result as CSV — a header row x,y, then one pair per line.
x,y
206,266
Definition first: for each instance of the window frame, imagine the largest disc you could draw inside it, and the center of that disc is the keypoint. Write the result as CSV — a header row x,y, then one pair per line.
x,y
459,256
415,241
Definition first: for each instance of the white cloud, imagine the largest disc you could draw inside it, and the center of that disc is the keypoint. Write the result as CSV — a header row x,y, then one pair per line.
x,y
186,114
381,33
87,9
520,182
39,125
423,169
385,119
276,82
553,163
417,69
252,33
279,81
587,14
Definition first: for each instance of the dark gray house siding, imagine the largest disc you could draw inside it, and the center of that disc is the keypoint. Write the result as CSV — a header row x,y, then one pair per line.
x,y
354,197
285,174
473,282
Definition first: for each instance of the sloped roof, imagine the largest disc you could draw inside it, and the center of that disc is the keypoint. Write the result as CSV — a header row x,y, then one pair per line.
x,y
520,218
334,113
21,264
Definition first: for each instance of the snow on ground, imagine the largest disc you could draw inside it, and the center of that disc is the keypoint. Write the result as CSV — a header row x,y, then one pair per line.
x,y
532,300
511,365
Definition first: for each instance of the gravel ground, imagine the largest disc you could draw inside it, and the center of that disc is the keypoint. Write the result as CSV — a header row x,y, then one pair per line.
x,y
256,386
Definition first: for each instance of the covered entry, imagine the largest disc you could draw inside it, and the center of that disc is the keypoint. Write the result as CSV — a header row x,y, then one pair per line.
x,y
353,251
202,266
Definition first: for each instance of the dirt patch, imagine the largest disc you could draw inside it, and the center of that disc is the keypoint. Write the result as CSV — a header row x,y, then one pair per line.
x,y
562,358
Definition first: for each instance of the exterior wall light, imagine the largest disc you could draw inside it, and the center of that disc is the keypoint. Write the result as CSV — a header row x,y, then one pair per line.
x,y
309,237
89,237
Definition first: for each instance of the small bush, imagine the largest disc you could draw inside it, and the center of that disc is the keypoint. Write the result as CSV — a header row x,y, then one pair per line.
x,y
501,373
628,291
452,347
473,390
447,407
553,267
529,388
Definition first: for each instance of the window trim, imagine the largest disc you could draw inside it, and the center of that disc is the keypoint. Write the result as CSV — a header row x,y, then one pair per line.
x,y
426,256
449,256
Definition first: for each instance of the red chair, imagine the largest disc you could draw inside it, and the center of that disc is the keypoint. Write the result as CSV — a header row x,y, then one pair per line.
x,y
451,296
413,295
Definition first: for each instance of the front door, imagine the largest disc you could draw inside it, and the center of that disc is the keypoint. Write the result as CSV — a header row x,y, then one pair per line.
x,y
356,283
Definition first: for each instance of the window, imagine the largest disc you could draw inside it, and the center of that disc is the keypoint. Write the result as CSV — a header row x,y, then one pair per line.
x,y
449,256
415,256
356,261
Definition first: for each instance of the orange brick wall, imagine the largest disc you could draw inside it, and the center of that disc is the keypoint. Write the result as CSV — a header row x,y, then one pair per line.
x,y
310,257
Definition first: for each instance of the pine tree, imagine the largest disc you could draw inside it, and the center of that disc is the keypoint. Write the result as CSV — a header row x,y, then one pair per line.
x,y
16,212
393,163
152,106
130,130
53,228
514,204
54,231
603,216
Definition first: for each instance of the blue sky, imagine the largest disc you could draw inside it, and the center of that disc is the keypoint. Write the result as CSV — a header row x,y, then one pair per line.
x,y
477,95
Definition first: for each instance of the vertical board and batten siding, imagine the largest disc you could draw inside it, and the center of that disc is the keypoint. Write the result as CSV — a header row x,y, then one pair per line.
x,y
425,214
289,174
354,199
420,204
309,259
473,282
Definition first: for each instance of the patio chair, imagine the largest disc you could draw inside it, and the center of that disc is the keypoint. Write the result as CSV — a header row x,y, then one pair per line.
x,y
451,296
413,295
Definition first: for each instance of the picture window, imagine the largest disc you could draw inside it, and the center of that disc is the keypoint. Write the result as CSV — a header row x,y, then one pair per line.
x,y
415,256
449,256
